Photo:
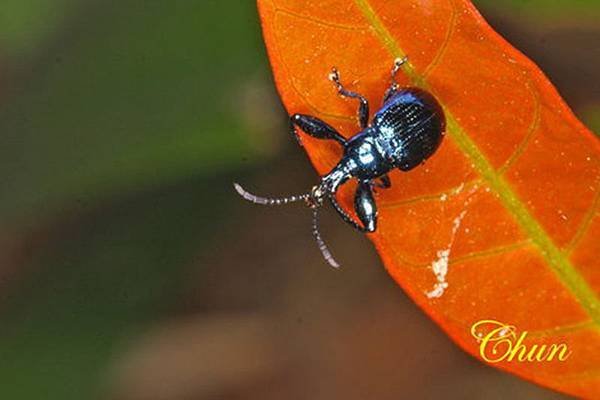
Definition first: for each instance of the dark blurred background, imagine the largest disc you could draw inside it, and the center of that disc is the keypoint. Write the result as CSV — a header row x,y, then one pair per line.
x,y
129,268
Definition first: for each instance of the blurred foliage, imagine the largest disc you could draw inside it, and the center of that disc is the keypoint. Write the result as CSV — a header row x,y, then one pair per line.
x,y
126,119
591,116
102,281
122,102
554,9
141,93
26,25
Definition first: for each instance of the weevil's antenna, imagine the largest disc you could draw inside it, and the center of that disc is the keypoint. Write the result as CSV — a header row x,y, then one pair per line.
x,y
270,201
322,246
314,200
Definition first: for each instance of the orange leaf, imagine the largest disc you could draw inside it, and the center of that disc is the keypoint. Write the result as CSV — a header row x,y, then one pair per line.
x,y
502,223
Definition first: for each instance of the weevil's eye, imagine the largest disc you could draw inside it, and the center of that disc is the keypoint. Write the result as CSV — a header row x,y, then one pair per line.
x,y
316,197
317,192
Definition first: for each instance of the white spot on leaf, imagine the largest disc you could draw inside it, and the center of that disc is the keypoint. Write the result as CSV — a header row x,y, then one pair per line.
x,y
440,265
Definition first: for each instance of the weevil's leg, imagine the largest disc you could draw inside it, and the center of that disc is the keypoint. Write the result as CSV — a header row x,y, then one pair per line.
x,y
314,127
398,63
365,207
348,219
363,108
384,182
344,215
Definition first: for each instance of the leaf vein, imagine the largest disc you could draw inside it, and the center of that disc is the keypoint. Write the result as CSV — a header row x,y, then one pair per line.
x,y
533,127
442,50
585,224
318,21
555,258
481,254
431,197
575,327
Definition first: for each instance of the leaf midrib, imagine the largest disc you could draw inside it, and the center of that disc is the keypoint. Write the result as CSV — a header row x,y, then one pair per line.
x,y
555,258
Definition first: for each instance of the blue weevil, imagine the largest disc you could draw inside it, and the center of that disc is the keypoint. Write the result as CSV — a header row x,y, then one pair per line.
x,y
403,133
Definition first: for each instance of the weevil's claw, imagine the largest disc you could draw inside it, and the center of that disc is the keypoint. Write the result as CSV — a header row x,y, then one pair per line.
x,y
400,61
334,75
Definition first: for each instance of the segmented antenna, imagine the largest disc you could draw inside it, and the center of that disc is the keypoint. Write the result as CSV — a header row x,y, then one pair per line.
x,y
306,197
269,201
322,246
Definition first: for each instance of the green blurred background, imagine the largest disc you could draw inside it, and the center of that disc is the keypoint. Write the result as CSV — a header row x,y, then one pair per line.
x,y
129,269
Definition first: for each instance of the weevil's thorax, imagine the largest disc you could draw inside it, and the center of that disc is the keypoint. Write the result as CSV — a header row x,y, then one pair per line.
x,y
366,156
363,159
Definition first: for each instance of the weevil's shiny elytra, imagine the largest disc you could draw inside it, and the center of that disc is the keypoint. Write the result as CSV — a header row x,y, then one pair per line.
x,y
403,133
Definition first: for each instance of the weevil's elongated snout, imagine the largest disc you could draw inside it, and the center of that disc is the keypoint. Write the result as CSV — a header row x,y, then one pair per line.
x,y
313,199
